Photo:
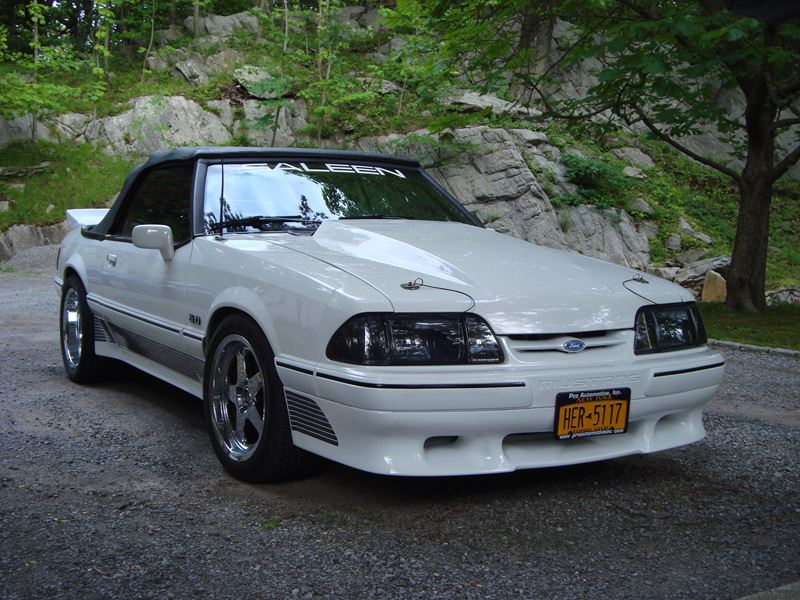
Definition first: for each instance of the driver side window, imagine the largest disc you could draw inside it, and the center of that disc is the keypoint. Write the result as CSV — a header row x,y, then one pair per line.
x,y
163,197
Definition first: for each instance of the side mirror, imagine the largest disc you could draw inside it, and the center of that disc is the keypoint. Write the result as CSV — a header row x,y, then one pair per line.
x,y
154,237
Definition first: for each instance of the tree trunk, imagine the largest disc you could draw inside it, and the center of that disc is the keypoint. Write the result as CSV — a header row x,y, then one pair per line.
x,y
746,278
196,18
150,44
106,53
81,12
746,289
35,68
285,27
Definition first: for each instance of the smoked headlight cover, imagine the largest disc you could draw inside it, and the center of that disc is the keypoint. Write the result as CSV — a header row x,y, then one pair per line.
x,y
415,339
666,327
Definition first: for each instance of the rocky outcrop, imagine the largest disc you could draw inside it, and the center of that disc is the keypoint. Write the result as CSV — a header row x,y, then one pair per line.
x,y
219,25
785,295
491,177
693,275
610,234
468,100
715,288
195,67
155,123
193,70
19,129
360,17
635,157
256,81
21,237
259,121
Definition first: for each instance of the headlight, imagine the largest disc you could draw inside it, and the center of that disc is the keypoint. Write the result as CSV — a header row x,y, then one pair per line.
x,y
398,339
665,327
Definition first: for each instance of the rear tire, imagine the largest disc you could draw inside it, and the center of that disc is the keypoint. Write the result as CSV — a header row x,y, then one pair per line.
x,y
245,408
76,327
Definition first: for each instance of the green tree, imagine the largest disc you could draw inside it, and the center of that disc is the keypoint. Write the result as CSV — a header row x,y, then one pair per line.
x,y
661,64
27,88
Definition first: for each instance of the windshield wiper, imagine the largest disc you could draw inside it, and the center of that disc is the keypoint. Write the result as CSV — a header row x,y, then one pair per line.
x,y
375,217
264,223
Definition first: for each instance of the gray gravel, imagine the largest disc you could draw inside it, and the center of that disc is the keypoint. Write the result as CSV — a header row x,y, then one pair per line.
x,y
112,491
38,259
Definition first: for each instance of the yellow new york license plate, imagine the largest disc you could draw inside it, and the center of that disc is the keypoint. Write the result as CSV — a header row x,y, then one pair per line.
x,y
591,412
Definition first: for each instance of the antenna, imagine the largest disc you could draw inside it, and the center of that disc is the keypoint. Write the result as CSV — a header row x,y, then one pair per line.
x,y
221,200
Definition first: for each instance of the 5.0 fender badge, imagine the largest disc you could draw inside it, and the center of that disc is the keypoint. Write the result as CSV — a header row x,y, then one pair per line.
x,y
573,345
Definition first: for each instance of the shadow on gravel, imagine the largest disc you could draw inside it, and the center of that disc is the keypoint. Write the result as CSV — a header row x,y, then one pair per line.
x,y
132,388
349,490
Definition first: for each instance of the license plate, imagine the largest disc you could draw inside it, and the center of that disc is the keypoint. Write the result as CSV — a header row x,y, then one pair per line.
x,y
592,412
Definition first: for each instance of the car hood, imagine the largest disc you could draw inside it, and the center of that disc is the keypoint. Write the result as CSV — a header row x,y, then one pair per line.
x,y
518,287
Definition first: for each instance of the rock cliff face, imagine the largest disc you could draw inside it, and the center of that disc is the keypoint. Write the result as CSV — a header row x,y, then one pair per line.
x,y
156,122
493,179
500,174
22,237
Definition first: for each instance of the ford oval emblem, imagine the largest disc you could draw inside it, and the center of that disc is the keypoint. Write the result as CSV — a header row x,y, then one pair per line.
x,y
573,345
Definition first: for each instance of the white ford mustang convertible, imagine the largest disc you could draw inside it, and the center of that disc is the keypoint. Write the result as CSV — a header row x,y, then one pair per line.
x,y
344,305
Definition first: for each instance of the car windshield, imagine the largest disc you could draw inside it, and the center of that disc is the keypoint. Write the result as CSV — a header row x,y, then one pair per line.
x,y
300,195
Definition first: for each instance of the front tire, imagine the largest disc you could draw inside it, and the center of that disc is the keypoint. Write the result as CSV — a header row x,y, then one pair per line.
x,y
245,408
76,327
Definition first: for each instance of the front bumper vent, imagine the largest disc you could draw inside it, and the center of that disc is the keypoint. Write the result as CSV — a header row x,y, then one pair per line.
x,y
305,416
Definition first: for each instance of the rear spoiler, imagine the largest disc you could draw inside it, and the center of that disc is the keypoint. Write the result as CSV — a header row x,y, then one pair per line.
x,y
78,218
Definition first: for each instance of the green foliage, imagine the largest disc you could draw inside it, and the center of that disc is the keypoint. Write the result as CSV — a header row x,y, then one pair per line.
x,y
783,259
442,148
29,85
598,182
79,176
19,97
454,30
277,86
456,120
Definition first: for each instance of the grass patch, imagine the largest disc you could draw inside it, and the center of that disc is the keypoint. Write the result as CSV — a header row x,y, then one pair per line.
x,y
79,176
268,524
783,256
777,326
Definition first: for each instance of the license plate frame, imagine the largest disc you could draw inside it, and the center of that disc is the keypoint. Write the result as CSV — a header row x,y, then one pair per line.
x,y
591,413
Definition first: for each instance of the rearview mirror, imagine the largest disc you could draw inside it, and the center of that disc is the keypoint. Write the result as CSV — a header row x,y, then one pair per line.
x,y
154,237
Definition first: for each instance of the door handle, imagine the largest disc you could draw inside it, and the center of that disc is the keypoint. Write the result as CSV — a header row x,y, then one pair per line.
x,y
111,259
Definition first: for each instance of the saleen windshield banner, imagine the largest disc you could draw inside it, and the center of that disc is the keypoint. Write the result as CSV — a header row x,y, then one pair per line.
x,y
303,167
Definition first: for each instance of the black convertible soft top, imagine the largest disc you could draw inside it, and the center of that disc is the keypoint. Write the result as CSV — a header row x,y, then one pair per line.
x,y
234,152
194,153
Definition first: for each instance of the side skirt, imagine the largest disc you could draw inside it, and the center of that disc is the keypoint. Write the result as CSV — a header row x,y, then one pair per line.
x,y
172,366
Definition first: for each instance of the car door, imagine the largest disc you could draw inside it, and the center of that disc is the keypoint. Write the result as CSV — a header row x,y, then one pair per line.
x,y
139,294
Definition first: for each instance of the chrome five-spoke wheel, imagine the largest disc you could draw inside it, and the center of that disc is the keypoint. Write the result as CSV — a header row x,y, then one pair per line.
x,y
245,407
77,332
238,397
71,333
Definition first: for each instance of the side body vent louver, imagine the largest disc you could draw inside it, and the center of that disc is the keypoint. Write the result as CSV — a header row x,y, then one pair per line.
x,y
101,331
307,417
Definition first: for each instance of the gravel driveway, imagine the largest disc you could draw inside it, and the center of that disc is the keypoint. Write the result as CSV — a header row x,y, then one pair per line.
x,y
112,491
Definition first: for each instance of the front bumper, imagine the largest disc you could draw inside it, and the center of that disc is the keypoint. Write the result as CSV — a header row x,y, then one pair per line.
x,y
444,421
